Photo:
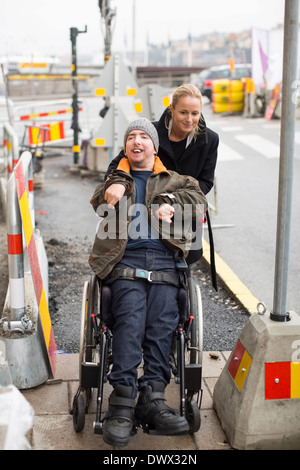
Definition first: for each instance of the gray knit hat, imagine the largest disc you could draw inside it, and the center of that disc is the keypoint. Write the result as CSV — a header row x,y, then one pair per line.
x,y
143,125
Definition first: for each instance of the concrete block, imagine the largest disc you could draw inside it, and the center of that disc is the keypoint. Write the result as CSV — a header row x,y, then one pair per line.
x,y
258,410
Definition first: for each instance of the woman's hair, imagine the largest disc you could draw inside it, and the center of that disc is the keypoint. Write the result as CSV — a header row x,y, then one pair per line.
x,y
194,92
186,90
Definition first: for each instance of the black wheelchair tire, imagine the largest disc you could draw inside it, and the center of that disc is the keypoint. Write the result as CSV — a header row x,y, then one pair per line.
x,y
78,412
192,414
90,301
92,309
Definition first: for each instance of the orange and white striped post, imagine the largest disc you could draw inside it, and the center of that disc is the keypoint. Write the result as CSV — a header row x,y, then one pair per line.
x,y
15,253
14,227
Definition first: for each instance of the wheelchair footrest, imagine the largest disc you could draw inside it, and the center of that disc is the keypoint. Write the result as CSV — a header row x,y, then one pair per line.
x,y
98,427
193,376
89,375
153,432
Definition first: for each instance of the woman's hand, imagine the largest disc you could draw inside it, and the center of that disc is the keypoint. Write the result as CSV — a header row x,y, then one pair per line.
x,y
165,213
113,194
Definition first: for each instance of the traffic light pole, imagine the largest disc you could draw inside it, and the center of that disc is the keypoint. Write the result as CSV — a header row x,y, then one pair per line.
x,y
75,122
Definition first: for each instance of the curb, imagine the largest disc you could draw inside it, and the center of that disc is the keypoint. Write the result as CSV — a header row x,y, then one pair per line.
x,y
232,282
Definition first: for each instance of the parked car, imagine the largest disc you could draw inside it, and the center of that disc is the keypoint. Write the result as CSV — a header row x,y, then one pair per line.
x,y
205,78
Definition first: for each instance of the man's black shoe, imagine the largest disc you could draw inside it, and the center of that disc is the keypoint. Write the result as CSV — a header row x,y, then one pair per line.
x,y
151,411
119,420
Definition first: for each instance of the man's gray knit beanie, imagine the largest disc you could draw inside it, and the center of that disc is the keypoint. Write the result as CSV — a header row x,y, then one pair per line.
x,y
143,125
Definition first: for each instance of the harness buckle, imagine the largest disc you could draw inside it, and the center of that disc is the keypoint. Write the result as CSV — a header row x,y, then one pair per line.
x,y
143,274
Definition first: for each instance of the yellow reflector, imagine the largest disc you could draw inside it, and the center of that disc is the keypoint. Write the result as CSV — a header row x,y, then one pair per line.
x,y
37,65
166,101
131,91
100,91
9,145
138,107
295,379
99,142
72,67
76,148
243,370
54,131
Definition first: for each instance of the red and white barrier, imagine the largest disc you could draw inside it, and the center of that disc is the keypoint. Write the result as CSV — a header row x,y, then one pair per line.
x,y
36,273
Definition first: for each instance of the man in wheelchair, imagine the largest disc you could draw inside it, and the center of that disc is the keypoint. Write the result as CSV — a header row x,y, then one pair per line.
x,y
139,240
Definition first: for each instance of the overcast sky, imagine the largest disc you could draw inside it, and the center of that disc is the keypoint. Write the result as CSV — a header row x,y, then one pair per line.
x,y
43,26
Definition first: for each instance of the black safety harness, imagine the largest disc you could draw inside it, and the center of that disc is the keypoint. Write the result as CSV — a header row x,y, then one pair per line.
x,y
153,277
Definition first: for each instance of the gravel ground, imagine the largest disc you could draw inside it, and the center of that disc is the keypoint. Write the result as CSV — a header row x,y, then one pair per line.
x,y
67,239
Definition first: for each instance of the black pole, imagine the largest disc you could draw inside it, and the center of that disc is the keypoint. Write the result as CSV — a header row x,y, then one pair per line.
x,y
75,122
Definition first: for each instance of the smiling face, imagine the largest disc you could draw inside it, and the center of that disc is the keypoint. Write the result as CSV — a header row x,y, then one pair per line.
x,y
185,116
140,150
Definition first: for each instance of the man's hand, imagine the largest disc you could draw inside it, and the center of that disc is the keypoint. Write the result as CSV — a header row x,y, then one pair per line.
x,y
113,194
165,213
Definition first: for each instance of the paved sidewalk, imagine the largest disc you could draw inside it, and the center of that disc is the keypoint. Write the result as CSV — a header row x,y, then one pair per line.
x,y
53,427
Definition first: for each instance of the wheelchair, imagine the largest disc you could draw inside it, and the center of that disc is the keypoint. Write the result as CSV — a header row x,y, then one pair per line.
x,y
95,353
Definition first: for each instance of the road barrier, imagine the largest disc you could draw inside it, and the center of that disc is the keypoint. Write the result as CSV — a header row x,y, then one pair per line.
x,y
10,147
27,336
227,96
29,117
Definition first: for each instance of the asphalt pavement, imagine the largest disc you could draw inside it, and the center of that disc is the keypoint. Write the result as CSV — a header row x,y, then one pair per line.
x,y
245,216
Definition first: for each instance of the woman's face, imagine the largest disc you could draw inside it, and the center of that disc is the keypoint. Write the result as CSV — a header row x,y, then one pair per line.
x,y
186,114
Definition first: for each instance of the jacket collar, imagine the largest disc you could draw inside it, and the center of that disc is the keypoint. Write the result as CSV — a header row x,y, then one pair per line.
x,y
158,166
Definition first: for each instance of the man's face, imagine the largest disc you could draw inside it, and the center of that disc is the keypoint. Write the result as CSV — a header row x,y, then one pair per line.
x,y
140,150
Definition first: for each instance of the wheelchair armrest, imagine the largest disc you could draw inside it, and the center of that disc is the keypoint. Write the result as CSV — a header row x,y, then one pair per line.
x,y
182,305
106,304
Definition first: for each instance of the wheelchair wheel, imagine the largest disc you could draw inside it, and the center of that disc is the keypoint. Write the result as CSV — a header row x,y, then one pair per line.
x,y
196,343
87,350
78,412
192,414
89,307
83,326
193,357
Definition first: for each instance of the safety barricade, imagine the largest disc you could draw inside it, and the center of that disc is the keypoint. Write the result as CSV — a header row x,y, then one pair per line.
x,y
26,330
55,115
50,132
10,147
33,116
10,159
227,96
